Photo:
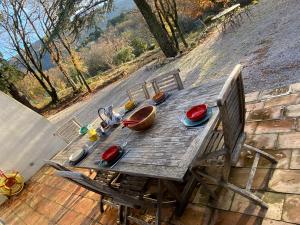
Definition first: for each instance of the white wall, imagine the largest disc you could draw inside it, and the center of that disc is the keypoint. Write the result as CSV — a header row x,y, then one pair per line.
x,y
26,138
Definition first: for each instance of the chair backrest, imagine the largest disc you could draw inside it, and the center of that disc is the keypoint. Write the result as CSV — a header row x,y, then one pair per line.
x,y
231,103
138,92
167,82
69,131
103,189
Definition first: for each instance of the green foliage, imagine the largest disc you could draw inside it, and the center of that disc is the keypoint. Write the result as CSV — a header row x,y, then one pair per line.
x,y
139,46
116,20
124,55
92,37
8,74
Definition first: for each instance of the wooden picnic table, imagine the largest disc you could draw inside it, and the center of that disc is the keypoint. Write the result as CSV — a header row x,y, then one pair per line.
x,y
167,149
226,14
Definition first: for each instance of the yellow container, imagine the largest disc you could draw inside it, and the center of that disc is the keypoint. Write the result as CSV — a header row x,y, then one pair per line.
x,y
93,136
129,105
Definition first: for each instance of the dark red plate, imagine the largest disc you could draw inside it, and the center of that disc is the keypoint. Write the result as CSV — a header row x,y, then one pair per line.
x,y
111,153
197,112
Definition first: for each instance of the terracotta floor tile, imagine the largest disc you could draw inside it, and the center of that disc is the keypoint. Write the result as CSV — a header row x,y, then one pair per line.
x,y
254,106
12,219
275,126
265,114
109,217
193,215
49,209
293,110
289,140
239,177
69,218
274,222
223,202
262,141
295,159
283,157
274,200
26,213
283,100
61,197
285,181
86,206
220,217
253,96
291,209
250,127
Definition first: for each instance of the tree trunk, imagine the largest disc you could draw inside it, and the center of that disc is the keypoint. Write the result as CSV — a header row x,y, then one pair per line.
x,y
156,29
13,91
69,80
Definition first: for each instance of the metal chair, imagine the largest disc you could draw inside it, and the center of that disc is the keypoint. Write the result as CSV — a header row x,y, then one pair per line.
x,y
167,82
69,131
138,92
224,147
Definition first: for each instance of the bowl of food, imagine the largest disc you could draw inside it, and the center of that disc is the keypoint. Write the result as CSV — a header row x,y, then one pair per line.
x,y
145,118
129,105
197,112
158,97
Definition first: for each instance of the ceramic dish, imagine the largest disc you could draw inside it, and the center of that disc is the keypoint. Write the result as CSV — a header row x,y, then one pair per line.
x,y
77,156
83,130
111,153
104,163
188,123
159,97
162,100
197,112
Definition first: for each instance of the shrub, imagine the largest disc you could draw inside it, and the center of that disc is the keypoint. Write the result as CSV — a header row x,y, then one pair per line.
x,y
139,46
124,55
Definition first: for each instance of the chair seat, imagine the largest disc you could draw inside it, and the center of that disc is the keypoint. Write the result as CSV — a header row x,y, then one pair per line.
x,y
107,177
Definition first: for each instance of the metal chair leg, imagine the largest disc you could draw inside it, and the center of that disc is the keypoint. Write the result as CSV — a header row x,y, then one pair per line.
x,y
159,199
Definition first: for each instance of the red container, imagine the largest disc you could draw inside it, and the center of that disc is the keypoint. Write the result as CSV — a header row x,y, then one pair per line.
x,y
197,112
111,153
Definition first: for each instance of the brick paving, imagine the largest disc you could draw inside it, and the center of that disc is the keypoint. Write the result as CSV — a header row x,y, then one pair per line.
x,y
273,124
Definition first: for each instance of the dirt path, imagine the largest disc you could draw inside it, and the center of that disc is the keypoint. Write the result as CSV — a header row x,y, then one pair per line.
x,y
268,46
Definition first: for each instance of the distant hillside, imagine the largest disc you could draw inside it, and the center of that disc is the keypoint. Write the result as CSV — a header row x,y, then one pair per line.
x,y
118,7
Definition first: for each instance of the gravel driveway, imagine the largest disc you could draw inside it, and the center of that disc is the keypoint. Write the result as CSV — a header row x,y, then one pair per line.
x,y
268,46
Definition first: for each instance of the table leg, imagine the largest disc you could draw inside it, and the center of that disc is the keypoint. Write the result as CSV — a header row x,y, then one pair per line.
x,y
185,195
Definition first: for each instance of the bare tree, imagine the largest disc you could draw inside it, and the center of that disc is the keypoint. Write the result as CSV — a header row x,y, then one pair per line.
x,y
9,75
16,26
39,20
168,13
51,11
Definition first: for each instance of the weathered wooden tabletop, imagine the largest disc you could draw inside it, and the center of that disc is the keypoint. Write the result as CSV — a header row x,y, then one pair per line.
x,y
226,12
164,151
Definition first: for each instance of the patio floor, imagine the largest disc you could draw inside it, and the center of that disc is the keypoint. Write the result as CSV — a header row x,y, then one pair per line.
x,y
273,124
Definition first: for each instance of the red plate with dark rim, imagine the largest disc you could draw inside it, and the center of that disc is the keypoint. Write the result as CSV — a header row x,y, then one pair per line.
x,y
197,112
111,153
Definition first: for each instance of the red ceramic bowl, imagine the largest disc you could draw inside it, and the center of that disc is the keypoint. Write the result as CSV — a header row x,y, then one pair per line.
x,y
197,112
111,153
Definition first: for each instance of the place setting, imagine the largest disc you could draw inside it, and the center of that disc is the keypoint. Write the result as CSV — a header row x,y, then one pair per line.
x,y
196,116
111,156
